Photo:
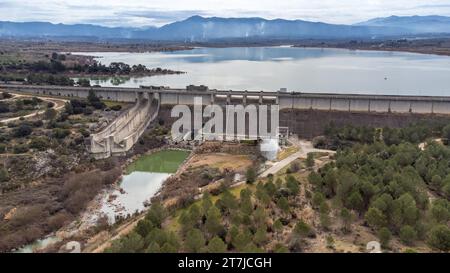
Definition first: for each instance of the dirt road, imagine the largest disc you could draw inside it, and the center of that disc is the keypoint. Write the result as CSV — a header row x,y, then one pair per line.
x,y
305,148
59,104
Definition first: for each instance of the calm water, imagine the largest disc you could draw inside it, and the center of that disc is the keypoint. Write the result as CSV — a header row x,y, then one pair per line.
x,y
145,177
297,69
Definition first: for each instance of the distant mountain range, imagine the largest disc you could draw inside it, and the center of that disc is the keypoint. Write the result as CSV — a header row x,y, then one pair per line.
x,y
197,28
412,24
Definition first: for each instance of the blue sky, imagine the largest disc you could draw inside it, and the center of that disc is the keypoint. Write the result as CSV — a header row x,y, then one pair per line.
x,y
139,13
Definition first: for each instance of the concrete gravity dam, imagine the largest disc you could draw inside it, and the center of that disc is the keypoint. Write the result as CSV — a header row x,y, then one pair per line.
x,y
121,134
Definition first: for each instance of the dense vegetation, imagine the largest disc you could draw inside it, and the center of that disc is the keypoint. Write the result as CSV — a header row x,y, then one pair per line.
x,y
380,178
346,136
398,190
56,71
243,223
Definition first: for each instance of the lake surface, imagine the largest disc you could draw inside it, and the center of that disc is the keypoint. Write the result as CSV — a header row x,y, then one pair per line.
x,y
143,179
297,69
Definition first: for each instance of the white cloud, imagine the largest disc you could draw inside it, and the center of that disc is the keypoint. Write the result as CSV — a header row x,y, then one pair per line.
x,y
158,12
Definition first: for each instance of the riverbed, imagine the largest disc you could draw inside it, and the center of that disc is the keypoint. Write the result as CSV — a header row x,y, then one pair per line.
x,y
142,179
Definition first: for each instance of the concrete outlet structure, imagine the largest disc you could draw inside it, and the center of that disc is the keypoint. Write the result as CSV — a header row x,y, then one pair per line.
x,y
121,134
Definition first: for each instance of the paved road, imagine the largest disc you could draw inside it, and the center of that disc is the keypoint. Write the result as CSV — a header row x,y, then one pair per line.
x,y
305,148
59,104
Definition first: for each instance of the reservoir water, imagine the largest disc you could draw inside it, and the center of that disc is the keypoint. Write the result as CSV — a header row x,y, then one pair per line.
x,y
297,69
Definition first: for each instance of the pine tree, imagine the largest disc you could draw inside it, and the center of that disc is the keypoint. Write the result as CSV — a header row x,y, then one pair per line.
x,y
292,185
213,221
144,227
168,248
246,206
153,248
384,234
185,221
242,239
277,225
195,214
259,216
302,229
229,201
310,160
346,218
270,188
250,175
283,204
355,201
233,232
375,218
156,214
439,238
195,241
216,245
206,202
408,235
260,237
132,243
279,248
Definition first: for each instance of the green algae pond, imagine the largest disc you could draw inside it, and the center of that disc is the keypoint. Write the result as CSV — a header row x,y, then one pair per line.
x,y
166,161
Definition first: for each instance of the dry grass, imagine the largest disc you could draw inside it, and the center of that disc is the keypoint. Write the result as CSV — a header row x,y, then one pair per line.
x,y
287,152
222,161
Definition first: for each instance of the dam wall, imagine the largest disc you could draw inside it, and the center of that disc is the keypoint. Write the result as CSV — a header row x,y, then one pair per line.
x,y
305,114
285,100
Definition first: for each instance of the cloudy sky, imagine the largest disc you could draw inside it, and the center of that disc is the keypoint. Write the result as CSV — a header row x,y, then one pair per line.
x,y
141,13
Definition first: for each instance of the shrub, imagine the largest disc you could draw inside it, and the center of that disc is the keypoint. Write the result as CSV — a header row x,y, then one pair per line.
x,y
302,229
20,149
87,111
50,114
439,238
4,176
250,175
23,130
408,235
4,108
2,148
385,236
84,132
116,107
310,160
40,143
58,220
60,133
37,123
295,167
